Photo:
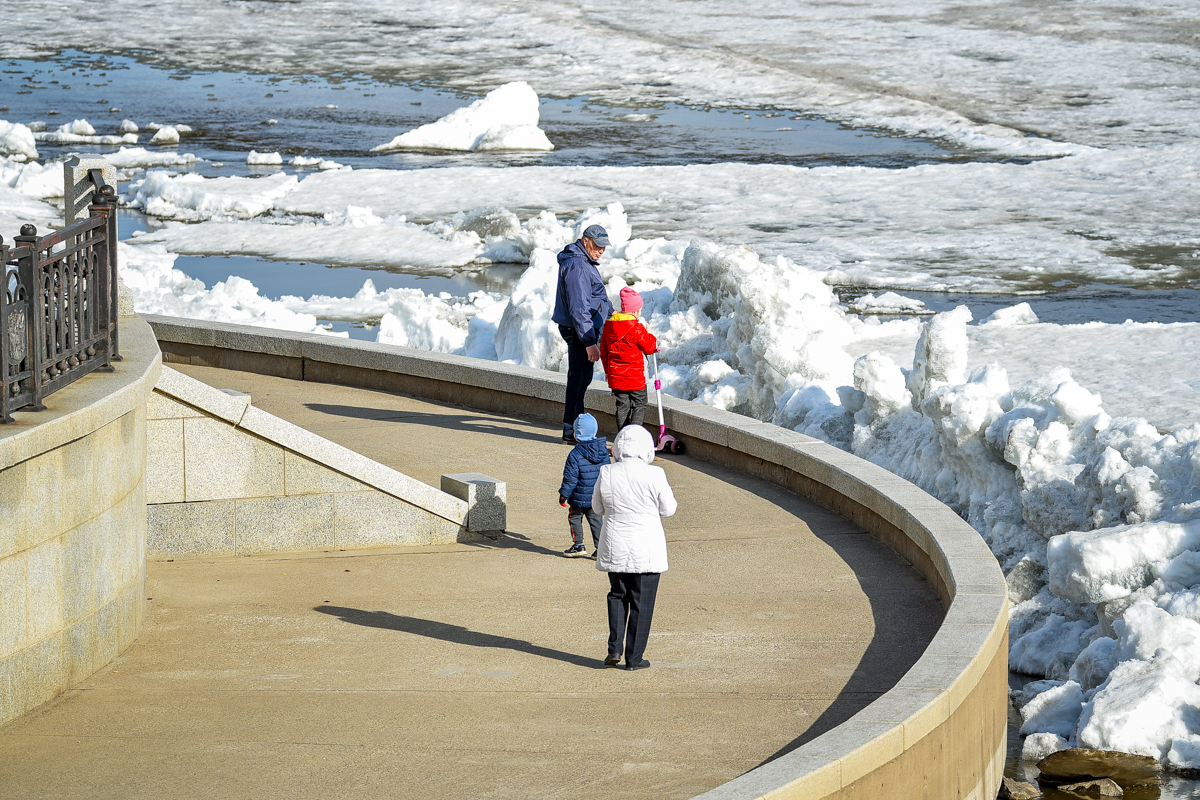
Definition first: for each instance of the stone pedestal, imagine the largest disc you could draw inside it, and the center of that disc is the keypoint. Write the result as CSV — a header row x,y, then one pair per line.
x,y
486,498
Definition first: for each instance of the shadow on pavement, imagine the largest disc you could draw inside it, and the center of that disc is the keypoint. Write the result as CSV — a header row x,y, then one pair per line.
x,y
455,634
493,425
515,541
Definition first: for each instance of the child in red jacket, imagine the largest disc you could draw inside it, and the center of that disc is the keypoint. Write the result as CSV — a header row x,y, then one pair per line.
x,y
624,345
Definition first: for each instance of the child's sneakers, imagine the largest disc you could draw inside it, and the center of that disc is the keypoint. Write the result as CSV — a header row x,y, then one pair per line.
x,y
575,551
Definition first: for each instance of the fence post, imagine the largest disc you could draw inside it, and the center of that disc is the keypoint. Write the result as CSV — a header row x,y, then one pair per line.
x,y
31,276
104,204
5,333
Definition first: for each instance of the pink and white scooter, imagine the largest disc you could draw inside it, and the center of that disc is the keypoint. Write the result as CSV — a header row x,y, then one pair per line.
x,y
666,443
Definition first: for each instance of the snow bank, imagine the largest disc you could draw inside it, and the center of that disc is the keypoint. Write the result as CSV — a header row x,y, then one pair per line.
x,y
17,140
505,119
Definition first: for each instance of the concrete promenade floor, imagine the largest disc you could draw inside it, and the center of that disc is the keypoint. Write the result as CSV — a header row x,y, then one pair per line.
x,y
474,670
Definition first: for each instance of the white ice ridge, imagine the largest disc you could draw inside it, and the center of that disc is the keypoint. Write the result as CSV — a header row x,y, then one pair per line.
x,y
506,119
1098,217
17,141
81,132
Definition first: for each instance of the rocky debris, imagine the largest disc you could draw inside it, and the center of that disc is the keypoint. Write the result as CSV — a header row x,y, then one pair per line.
x,y
1018,790
1081,764
1105,787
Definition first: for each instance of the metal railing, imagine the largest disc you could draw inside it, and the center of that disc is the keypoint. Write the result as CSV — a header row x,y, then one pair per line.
x,y
58,305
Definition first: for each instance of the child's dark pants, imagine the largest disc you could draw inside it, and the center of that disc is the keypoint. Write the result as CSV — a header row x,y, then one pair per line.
x,y
631,406
576,516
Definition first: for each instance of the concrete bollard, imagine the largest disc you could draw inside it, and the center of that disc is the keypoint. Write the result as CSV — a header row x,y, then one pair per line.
x,y
486,498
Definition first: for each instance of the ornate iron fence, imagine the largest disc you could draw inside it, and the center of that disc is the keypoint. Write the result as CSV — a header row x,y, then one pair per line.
x,y
58,305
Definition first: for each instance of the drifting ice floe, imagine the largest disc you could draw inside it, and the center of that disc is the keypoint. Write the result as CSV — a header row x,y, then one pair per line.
x,y
506,119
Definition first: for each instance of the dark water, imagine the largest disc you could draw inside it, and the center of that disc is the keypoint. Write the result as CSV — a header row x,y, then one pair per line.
x,y
342,118
1069,306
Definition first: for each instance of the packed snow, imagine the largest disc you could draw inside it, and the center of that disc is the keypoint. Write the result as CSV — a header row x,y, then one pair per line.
x,y
506,119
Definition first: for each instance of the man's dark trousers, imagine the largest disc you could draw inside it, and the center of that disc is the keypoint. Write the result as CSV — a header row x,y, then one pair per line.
x,y
630,611
579,377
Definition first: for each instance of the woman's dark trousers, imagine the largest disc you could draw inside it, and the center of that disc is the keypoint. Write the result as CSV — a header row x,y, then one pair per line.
x,y
630,610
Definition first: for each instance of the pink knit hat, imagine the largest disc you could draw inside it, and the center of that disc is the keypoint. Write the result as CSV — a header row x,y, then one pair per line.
x,y
631,301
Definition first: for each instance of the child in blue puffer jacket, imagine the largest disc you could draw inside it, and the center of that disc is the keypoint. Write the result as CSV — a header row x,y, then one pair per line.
x,y
579,478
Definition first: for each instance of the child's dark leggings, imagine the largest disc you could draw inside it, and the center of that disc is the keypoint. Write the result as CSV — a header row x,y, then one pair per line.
x,y
576,516
631,406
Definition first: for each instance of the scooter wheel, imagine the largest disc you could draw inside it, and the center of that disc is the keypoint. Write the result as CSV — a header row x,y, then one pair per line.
x,y
678,449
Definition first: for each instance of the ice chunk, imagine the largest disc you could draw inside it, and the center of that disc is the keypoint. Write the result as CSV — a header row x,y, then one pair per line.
x,y
887,303
141,158
1033,653
1039,745
1112,562
1185,753
1020,314
506,119
81,131
128,126
1143,708
1145,629
1094,664
941,356
265,159
304,161
17,140
1054,711
165,134
1182,570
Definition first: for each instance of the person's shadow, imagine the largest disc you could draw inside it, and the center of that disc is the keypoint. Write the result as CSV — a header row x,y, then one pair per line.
x,y
451,633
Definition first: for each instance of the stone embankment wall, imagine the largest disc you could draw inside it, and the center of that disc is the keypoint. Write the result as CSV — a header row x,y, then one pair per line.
x,y
73,528
226,478
939,733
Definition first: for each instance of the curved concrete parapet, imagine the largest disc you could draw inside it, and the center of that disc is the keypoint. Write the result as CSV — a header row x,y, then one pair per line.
x,y
73,528
939,733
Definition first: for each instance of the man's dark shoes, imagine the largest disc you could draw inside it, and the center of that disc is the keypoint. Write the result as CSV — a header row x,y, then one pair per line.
x,y
643,664
612,661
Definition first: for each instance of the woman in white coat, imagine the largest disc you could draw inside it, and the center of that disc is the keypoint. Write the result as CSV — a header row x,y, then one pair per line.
x,y
633,496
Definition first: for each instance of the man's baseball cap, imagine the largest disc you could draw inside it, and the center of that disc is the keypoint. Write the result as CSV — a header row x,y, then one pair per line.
x,y
597,234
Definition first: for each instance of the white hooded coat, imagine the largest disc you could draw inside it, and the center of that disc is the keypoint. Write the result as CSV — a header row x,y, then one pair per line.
x,y
633,496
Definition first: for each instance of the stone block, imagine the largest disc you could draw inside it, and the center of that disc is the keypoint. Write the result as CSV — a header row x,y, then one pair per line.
x,y
43,499
278,524
304,476
164,461
223,463
45,671
127,626
920,711
78,189
43,594
12,679
212,402
79,573
183,530
957,639
791,775
79,472
14,578
79,655
163,406
131,531
374,519
486,499
12,509
935,672
107,635
106,548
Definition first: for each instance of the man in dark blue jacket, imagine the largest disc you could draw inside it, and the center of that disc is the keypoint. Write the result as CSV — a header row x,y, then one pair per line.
x,y
580,308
